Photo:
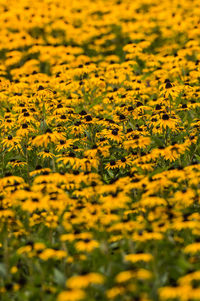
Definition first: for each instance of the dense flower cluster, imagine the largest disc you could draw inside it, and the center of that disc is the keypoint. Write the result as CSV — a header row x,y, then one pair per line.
x,y
99,150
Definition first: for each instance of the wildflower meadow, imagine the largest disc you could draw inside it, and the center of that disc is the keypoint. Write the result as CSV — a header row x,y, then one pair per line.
x,y
99,150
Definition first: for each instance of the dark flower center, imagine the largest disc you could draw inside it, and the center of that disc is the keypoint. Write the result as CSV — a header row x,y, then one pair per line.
x,y
168,85
165,117
115,132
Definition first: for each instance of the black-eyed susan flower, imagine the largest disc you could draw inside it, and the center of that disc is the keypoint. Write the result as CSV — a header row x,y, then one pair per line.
x,y
71,295
45,139
11,142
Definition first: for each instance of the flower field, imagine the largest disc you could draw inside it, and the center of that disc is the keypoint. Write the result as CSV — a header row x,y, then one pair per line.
x,y
99,150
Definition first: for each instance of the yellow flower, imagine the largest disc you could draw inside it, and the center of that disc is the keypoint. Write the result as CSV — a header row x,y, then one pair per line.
x,y
115,291
12,143
192,248
86,245
46,154
180,292
14,270
39,246
47,254
71,295
82,281
25,249
143,274
138,257
124,276
45,139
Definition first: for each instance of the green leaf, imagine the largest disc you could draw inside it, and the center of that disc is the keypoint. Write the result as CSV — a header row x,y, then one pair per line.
x,y
3,270
59,278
